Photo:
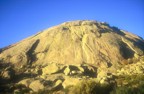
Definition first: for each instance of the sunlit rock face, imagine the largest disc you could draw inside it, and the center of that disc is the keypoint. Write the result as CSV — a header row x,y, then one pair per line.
x,y
61,56
75,42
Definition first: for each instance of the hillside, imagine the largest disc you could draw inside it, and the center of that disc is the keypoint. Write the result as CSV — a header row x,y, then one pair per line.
x,y
64,55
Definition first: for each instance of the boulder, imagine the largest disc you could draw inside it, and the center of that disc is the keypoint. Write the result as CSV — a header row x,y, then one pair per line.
x,y
8,74
136,56
81,69
104,80
17,91
67,70
58,84
26,82
36,85
142,59
102,74
70,82
105,77
50,69
139,69
73,70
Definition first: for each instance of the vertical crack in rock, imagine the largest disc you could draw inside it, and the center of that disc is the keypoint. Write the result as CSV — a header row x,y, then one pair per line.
x,y
89,47
30,53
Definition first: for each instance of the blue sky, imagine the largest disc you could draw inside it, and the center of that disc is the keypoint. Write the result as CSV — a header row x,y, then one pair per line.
x,y
22,18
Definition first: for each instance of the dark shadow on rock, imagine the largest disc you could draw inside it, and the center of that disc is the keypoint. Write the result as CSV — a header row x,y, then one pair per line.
x,y
137,43
21,76
9,89
89,72
140,44
30,53
116,30
125,51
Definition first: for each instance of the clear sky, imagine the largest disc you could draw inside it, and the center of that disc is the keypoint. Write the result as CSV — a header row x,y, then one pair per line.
x,y
22,18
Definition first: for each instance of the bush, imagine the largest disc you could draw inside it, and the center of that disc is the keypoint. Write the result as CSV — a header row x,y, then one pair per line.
x,y
90,87
135,85
140,88
122,90
131,79
44,91
129,90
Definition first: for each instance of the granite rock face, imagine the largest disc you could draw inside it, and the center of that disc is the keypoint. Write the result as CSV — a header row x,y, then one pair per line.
x,y
75,42
73,51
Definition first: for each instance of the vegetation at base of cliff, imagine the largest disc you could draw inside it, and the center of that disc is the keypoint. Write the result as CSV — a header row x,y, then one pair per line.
x,y
44,92
15,88
133,84
129,90
90,87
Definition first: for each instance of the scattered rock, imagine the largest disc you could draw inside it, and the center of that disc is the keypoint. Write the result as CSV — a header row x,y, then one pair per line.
x,y
104,80
139,69
26,82
67,71
70,82
50,69
36,85
58,85
102,74
9,74
73,70
58,82
81,69
17,91
136,56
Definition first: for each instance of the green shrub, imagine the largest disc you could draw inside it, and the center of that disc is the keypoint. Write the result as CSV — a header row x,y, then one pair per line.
x,y
44,91
128,90
140,88
135,85
131,79
90,87
122,90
